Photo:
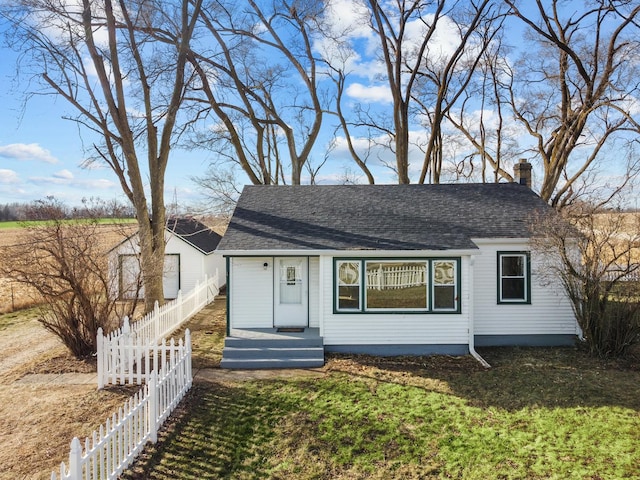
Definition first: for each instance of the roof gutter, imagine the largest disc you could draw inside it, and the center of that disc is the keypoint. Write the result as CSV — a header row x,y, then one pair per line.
x,y
472,350
349,253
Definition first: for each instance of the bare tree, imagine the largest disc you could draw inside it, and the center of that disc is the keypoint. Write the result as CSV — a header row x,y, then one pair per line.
x,y
575,87
105,59
596,254
64,263
423,78
260,86
482,114
443,77
402,55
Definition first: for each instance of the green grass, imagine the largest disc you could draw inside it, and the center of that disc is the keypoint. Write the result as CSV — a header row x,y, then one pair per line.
x,y
538,413
17,318
33,223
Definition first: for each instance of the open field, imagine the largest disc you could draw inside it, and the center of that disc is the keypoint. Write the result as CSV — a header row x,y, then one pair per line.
x,y
15,296
106,221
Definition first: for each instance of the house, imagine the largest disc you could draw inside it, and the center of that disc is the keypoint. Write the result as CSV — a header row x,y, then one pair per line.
x,y
386,270
190,255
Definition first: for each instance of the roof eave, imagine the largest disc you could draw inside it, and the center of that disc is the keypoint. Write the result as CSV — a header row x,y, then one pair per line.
x,y
349,253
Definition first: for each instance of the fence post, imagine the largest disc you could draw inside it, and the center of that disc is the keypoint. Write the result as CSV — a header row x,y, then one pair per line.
x,y
179,305
187,343
75,457
205,285
125,343
100,358
153,406
156,322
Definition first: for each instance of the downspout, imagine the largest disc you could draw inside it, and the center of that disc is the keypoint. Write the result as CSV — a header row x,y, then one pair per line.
x,y
472,349
228,275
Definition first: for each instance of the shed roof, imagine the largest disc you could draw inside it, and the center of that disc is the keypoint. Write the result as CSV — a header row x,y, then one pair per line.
x,y
378,217
195,233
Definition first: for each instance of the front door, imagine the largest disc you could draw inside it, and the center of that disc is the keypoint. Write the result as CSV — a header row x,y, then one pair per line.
x,y
291,292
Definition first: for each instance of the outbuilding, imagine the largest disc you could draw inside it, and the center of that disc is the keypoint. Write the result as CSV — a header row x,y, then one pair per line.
x,y
190,256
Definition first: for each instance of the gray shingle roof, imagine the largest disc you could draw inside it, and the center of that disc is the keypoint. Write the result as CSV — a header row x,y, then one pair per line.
x,y
371,217
195,233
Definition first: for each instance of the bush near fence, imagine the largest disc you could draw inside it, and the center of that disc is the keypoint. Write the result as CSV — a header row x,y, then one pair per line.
x,y
117,443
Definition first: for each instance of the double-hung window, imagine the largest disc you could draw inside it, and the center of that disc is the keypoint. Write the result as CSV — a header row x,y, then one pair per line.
x,y
444,282
348,289
400,285
514,277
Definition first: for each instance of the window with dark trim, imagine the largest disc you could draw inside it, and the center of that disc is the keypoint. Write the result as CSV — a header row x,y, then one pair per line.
x,y
396,285
514,277
348,281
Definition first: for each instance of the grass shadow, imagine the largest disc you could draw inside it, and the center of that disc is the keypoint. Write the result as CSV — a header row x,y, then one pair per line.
x,y
220,427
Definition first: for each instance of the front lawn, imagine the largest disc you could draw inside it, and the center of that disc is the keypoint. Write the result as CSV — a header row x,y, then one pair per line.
x,y
538,413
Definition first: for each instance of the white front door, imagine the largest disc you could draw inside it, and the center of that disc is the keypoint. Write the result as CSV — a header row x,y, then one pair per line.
x,y
291,302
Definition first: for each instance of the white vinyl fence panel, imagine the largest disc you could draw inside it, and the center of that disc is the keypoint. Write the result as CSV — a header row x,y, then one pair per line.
x,y
117,443
165,319
130,353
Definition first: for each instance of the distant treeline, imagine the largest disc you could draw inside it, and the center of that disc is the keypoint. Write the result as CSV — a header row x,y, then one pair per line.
x,y
51,208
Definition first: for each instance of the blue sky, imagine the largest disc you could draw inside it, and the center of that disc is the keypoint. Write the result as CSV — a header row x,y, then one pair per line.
x,y
41,153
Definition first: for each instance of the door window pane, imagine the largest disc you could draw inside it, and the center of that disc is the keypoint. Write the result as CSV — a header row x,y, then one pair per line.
x,y
290,283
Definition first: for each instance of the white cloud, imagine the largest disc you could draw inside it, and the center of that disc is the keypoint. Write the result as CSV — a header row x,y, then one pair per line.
x,y
8,176
373,93
27,151
64,174
67,179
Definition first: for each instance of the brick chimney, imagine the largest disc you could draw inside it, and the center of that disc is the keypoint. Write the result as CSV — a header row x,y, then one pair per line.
x,y
522,172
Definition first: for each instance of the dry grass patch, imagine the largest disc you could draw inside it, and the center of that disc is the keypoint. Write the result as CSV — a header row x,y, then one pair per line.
x,y
38,421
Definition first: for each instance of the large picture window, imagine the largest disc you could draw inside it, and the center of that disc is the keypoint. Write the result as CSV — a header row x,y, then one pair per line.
x,y
514,277
401,285
396,285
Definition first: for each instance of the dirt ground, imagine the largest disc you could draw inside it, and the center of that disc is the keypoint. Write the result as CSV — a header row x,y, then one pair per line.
x,y
38,420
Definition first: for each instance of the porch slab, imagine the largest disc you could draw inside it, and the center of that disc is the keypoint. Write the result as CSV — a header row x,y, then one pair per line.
x,y
274,334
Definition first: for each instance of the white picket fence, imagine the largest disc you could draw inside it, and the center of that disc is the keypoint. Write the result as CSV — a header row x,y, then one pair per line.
x,y
130,353
390,277
117,443
165,319
629,277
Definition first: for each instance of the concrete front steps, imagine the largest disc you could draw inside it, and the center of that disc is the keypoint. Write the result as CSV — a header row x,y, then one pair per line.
x,y
260,352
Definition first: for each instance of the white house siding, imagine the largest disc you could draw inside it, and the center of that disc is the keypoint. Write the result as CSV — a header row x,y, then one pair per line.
x,y
392,329
191,262
251,292
216,262
548,314
314,292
